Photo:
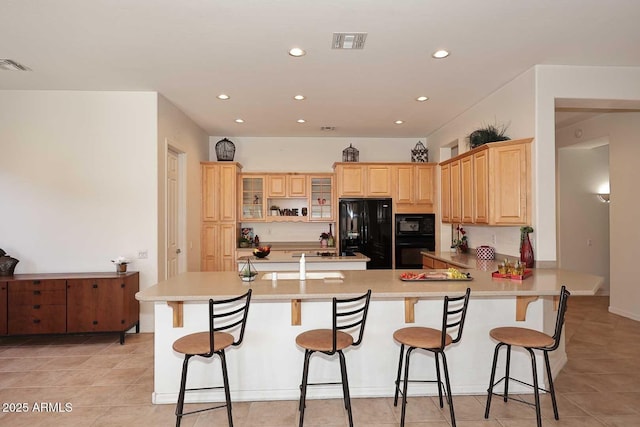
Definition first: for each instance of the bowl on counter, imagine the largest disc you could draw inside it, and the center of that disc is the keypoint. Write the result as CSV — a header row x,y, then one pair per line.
x,y
262,251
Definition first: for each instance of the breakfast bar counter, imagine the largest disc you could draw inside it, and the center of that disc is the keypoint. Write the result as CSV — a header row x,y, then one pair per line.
x,y
268,365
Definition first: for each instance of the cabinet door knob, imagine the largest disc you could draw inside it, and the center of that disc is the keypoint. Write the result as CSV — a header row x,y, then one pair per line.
x,y
95,286
36,320
36,307
95,322
122,285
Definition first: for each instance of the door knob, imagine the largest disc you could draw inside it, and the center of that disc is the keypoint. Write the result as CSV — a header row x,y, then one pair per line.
x,y
178,251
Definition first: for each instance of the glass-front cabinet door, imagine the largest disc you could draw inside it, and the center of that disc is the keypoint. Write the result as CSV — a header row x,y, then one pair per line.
x,y
321,199
253,201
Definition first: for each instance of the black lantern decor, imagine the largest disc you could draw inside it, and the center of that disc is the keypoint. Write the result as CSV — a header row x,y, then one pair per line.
x,y
419,153
225,150
350,154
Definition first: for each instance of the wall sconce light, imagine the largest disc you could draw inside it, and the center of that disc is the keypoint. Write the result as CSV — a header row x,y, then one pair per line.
x,y
604,197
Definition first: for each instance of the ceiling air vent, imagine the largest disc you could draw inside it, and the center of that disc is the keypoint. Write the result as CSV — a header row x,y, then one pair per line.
x,y
327,128
348,40
11,65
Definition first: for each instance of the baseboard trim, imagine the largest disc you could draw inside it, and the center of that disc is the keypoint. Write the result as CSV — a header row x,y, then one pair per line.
x,y
624,313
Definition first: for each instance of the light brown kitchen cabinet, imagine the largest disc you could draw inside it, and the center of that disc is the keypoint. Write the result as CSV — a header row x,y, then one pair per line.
x,y
351,180
499,190
378,181
445,192
3,308
414,188
466,190
252,198
287,185
480,187
456,195
220,204
321,197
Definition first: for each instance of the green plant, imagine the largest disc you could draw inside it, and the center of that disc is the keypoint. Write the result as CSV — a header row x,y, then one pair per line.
x,y
489,133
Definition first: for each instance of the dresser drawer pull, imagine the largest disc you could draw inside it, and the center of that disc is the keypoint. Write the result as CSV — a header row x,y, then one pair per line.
x,y
37,306
95,322
36,292
36,320
95,286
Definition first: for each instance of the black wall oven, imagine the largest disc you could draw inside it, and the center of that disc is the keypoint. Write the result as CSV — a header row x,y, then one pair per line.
x,y
414,233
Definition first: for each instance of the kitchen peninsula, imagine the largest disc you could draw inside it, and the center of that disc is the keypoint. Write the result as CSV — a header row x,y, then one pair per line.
x,y
268,364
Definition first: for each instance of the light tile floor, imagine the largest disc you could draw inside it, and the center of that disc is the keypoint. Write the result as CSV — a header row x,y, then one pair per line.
x,y
110,385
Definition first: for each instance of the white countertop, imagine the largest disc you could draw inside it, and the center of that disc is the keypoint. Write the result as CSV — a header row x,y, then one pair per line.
x,y
385,284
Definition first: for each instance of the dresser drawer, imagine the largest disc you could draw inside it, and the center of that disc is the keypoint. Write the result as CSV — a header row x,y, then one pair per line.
x,y
38,285
37,319
41,297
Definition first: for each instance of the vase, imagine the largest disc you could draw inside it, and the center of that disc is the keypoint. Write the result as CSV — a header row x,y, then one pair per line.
x,y
526,251
121,268
324,243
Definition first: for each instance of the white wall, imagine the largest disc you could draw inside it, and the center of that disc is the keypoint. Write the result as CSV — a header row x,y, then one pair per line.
x,y
79,181
617,83
583,220
512,105
177,130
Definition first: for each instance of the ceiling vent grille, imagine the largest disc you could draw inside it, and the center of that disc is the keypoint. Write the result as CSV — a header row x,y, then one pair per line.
x,y
11,65
327,128
348,40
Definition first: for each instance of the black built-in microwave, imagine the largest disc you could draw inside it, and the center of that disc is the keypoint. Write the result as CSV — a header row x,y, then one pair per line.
x,y
415,224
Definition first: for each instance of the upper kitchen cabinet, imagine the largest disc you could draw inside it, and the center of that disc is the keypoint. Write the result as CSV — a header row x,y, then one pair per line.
x,y
363,179
321,191
351,179
287,185
219,190
490,184
414,187
252,193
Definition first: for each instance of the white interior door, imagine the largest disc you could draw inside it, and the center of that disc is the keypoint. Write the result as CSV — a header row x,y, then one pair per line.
x,y
173,217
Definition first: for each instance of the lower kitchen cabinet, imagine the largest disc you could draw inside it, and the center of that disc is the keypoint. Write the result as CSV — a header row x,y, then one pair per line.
x,y
72,303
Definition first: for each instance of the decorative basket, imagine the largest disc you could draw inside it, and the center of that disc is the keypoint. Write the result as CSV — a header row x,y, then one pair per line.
x,y
225,150
419,153
485,252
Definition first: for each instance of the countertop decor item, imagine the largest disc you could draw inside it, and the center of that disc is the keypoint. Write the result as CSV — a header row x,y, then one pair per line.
x,y
489,133
485,252
526,250
248,272
262,251
419,153
7,264
461,243
350,154
225,150
121,264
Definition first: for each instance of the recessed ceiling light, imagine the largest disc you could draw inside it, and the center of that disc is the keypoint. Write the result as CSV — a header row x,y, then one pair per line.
x,y
422,98
223,96
302,121
296,51
398,122
439,54
298,97
239,121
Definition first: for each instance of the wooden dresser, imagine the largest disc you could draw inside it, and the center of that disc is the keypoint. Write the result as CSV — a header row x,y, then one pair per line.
x,y
65,303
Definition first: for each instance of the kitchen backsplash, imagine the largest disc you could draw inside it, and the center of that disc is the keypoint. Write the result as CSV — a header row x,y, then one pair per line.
x,y
289,231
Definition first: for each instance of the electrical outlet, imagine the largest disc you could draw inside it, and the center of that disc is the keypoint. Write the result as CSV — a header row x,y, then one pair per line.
x,y
495,240
589,242
143,254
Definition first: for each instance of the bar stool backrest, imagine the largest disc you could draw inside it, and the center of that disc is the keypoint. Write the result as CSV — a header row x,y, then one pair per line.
x,y
229,315
562,308
349,313
453,316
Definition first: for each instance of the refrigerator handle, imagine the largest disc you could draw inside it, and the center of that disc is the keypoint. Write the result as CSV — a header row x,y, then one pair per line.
x,y
365,224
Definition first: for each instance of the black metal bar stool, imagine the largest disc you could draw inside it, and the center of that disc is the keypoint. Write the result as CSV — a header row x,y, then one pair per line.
x,y
435,341
530,340
225,316
348,314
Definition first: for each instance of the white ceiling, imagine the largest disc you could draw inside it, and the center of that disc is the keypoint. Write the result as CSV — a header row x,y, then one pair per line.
x,y
192,50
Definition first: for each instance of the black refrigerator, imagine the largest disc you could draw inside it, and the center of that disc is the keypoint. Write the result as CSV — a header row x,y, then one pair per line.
x,y
365,226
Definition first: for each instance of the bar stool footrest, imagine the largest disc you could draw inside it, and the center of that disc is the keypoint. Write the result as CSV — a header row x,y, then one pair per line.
x,y
515,398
